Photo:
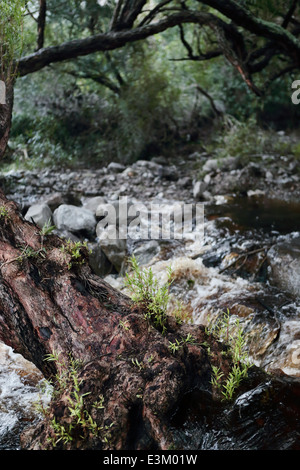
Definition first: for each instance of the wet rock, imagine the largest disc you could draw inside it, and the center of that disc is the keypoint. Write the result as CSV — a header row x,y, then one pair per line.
x,y
113,247
263,331
40,214
284,266
146,251
75,219
99,261
199,189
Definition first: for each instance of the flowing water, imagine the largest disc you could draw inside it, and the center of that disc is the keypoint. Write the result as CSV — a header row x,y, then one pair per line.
x,y
20,392
233,270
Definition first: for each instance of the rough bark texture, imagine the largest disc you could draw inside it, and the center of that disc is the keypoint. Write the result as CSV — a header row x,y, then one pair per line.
x,y
5,117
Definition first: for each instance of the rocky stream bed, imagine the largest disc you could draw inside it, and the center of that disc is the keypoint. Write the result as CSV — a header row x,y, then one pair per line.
x,y
249,263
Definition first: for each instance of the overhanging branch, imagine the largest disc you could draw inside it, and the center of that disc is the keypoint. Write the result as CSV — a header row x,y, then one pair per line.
x,y
231,38
113,40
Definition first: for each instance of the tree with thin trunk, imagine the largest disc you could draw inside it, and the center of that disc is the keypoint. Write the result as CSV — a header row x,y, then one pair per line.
x,y
120,378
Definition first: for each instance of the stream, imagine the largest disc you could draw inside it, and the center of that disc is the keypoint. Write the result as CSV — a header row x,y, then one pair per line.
x,y
249,263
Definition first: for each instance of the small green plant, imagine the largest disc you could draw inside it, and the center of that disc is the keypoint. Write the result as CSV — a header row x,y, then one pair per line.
x,y
146,291
75,251
4,213
138,364
231,333
216,377
174,347
47,228
181,314
79,422
28,252
124,325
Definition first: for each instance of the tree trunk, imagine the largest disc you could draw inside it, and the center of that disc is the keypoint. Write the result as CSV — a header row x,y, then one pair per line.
x,y
5,117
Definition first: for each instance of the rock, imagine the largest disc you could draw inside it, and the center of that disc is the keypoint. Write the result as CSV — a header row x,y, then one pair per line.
x,y
41,214
99,261
67,235
212,164
146,251
115,212
184,182
269,175
161,160
229,163
198,189
256,193
207,178
116,167
53,200
155,168
129,172
114,248
284,266
93,203
168,173
74,219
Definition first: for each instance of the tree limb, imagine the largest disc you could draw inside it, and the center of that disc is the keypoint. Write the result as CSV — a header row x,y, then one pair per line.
x,y
289,14
112,40
231,40
41,21
243,17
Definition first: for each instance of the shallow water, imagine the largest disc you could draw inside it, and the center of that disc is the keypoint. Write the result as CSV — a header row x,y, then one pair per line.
x,y
259,213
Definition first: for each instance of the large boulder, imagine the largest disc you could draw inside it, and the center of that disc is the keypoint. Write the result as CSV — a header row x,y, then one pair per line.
x,y
40,214
74,219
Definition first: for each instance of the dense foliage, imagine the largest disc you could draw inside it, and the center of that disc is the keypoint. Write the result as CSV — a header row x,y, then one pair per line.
x,y
146,98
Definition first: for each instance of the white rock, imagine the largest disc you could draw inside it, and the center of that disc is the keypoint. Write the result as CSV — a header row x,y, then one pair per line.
x,y
198,189
74,219
40,214
92,203
116,167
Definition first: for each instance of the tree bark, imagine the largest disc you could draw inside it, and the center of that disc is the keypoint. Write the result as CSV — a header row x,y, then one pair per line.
x,y
41,23
5,117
